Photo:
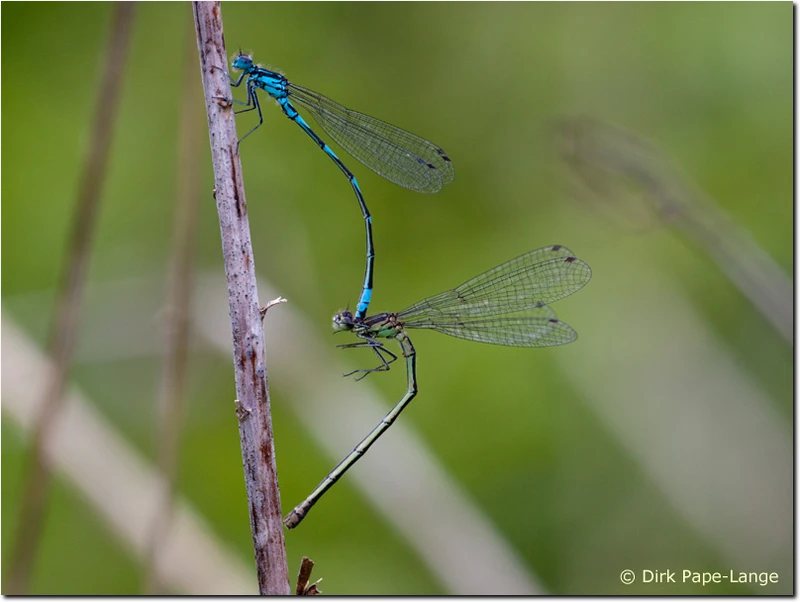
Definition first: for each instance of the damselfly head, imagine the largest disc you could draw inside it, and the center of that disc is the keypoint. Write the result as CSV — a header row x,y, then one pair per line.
x,y
343,321
242,62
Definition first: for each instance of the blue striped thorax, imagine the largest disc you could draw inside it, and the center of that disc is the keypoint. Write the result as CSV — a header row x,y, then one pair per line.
x,y
274,84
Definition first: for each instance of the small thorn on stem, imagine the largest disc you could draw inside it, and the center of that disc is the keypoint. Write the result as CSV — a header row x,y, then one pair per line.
x,y
276,301
241,411
225,103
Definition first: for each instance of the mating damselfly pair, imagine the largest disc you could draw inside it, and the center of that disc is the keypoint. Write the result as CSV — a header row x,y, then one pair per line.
x,y
506,305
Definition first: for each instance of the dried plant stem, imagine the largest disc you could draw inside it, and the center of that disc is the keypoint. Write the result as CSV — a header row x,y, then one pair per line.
x,y
252,406
304,588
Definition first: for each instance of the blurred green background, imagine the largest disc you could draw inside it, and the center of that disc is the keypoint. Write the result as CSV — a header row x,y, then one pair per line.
x,y
568,453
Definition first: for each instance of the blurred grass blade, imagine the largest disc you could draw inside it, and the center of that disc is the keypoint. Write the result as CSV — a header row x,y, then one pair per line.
x,y
170,418
68,308
628,179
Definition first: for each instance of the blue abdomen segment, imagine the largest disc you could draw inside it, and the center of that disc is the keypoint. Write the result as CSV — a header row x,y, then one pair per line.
x,y
366,289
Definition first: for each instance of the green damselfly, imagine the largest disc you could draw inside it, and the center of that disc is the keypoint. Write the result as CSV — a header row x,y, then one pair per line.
x,y
506,305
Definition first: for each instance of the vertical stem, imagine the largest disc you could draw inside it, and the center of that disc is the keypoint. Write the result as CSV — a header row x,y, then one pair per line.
x,y
70,298
169,422
253,406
